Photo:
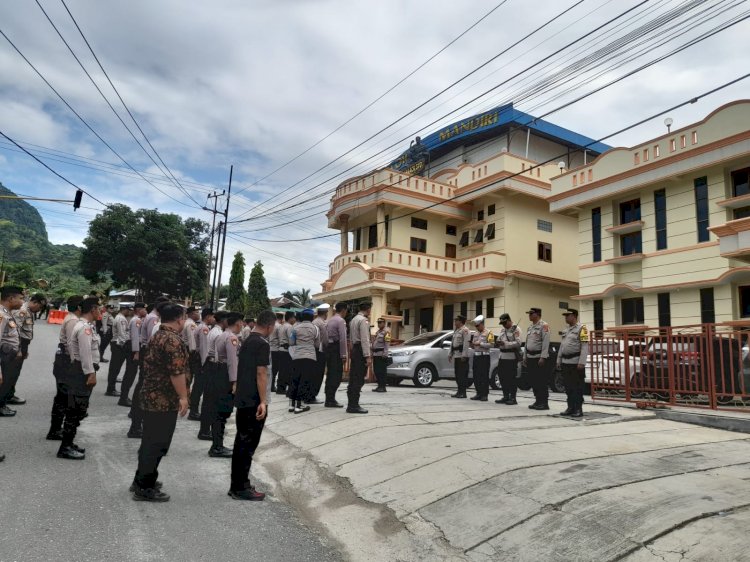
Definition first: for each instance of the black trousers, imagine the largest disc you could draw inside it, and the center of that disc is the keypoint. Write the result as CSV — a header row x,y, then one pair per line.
x,y
246,442
357,373
217,402
574,380
158,430
482,374
131,370
285,371
104,342
198,388
461,368
335,370
60,368
136,411
119,355
508,370
380,367
303,374
538,378
77,404
275,366
320,371
11,366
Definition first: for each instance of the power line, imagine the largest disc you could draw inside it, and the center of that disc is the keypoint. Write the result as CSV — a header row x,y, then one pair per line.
x,y
510,176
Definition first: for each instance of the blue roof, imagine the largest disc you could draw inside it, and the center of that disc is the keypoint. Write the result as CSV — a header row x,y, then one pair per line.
x,y
494,122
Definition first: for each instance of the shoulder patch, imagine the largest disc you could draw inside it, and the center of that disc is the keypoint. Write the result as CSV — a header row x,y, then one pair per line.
x,y
138,323
193,326
584,334
545,327
88,331
205,331
234,341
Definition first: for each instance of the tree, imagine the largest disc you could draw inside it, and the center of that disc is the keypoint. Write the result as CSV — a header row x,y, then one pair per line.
x,y
257,291
303,297
147,250
237,297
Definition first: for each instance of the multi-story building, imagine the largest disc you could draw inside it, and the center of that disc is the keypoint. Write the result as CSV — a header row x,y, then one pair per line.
x,y
664,226
460,224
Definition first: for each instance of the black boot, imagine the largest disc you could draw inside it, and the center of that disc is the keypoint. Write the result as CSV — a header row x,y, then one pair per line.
x,y
66,451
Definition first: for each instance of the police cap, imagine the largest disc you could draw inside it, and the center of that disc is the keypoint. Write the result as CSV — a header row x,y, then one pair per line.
x,y
504,317
534,311
572,311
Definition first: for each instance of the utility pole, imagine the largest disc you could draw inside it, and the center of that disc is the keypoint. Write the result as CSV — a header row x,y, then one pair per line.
x,y
215,196
224,232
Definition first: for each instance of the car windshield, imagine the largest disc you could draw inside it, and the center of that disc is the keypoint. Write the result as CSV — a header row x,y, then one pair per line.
x,y
423,339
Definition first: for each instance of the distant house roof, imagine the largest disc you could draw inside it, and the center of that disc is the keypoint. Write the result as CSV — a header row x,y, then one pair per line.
x,y
125,293
285,303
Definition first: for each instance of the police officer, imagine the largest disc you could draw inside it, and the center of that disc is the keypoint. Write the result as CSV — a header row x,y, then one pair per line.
x,y
24,317
273,342
285,360
336,353
84,350
320,353
61,368
11,298
222,381
459,355
380,343
508,340
201,345
120,346
133,350
359,329
535,355
210,367
305,343
106,333
481,342
571,358
189,337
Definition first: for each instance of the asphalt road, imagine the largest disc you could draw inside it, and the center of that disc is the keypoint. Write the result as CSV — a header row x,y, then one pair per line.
x,y
59,510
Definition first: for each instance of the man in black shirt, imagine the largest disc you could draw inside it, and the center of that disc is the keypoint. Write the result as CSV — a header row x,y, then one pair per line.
x,y
251,400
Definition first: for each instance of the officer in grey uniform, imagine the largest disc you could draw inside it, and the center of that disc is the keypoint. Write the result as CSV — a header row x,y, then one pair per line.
x,y
359,329
481,342
508,340
132,349
380,343
189,337
459,355
305,341
107,333
273,342
84,350
11,298
535,356
119,346
210,368
61,368
222,381
24,317
201,346
574,351
321,323
285,360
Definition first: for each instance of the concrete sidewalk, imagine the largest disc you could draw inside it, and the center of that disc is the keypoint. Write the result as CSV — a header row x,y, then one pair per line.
x,y
427,477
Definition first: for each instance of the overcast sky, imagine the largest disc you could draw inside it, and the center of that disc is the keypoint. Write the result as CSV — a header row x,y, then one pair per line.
x,y
255,83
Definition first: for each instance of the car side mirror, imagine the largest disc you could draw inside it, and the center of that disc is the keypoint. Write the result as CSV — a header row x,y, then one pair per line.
x,y
447,344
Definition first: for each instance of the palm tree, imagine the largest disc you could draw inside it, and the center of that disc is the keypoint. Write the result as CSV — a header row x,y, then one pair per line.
x,y
302,296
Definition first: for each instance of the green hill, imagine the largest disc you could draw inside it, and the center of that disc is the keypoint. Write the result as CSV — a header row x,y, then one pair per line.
x,y
30,256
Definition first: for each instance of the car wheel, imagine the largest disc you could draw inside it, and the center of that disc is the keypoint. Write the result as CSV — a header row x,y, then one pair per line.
x,y
393,381
495,379
557,382
424,375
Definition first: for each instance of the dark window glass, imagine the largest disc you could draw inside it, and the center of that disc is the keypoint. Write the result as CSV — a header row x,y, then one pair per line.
x,y
660,209
479,308
465,308
708,314
491,232
701,208
418,245
358,239
598,315
372,236
741,213
407,316
418,223
632,310
596,233
464,239
479,236
387,229
450,250
741,183
665,311
448,317
630,244
450,229
744,301
480,215
630,211
491,210
490,308
544,251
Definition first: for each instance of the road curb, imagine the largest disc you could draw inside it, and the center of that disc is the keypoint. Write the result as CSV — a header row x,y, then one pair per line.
x,y
728,423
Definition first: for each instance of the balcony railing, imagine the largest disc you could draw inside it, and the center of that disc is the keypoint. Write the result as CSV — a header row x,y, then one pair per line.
x,y
391,178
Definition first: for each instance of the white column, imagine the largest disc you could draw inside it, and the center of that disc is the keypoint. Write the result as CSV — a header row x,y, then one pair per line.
x,y
437,311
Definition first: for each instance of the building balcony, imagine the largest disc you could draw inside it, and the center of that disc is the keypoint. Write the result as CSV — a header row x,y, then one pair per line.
x,y
627,228
388,178
735,202
630,258
734,239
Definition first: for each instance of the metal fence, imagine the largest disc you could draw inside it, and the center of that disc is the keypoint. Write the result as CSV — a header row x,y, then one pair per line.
x,y
704,365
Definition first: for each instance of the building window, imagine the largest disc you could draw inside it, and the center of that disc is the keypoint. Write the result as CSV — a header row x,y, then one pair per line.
x,y
701,208
660,210
480,215
450,250
672,145
479,307
631,244
418,223
544,251
598,315
448,317
657,151
406,314
683,141
708,313
596,234
740,187
479,236
490,308
545,226
491,232
450,230
695,137
418,245
491,210
372,236
465,309
665,313
387,230
464,239
630,211
744,301
632,310
358,239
